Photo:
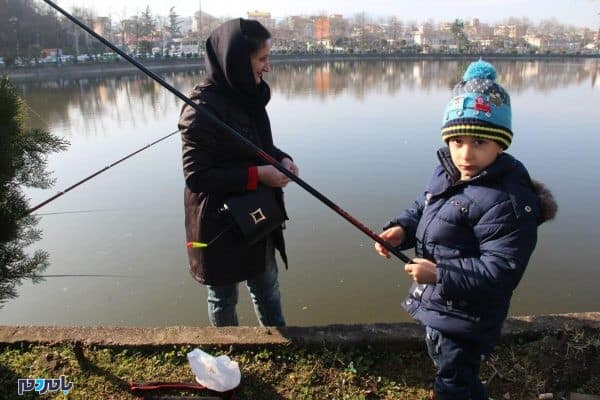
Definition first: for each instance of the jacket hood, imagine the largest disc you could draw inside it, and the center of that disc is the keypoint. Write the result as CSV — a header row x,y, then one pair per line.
x,y
228,64
505,163
548,206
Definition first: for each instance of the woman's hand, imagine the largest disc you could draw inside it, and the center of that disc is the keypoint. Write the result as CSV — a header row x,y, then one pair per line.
x,y
290,166
394,236
270,176
421,270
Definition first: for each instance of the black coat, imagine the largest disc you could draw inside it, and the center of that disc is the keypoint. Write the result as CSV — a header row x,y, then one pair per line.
x,y
215,164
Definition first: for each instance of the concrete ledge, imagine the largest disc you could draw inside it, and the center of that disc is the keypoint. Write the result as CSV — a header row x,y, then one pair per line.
x,y
397,333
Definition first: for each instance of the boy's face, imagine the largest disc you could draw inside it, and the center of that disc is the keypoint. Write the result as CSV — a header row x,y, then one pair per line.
x,y
471,155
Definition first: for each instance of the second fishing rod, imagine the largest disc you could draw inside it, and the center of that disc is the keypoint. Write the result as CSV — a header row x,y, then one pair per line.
x,y
229,130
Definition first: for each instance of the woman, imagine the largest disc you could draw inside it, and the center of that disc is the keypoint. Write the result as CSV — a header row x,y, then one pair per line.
x,y
217,166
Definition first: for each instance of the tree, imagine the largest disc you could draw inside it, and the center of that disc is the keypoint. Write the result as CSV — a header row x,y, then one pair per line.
x,y
23,164
147,23
458,30
359,25
395,28
147,26
80,39
23,24
551,27
174,24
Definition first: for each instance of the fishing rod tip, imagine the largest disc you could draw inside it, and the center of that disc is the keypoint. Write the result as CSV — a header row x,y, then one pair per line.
x,y
195,245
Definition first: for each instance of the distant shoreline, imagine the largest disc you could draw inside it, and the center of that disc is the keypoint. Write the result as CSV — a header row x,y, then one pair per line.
x,y
79,71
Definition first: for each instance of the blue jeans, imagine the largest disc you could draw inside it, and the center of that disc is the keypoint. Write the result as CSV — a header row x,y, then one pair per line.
x,y
457,362
264,291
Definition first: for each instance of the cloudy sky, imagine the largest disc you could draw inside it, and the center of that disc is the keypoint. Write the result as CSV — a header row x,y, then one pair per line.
x,y
573,12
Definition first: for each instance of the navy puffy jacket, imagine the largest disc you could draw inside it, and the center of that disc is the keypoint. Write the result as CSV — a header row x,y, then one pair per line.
x,y
480,234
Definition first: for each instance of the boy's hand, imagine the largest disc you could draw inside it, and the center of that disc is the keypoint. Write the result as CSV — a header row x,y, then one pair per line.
x,y
421,270
394,236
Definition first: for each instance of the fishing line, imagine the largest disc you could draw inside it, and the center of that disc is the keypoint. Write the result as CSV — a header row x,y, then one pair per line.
x,y
56,196
228,129
34,112
78,212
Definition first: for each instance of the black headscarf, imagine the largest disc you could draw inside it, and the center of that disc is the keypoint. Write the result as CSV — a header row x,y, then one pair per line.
x,y
229,68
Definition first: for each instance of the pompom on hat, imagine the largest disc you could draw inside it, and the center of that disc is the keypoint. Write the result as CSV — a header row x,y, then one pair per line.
x,y
479,107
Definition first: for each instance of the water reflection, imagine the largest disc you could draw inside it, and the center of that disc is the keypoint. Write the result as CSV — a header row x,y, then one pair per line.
x,y
127,100
360,77
132,99
364,134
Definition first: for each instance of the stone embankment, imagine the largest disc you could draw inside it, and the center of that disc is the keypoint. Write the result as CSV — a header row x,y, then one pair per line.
x,y
540,357
395,333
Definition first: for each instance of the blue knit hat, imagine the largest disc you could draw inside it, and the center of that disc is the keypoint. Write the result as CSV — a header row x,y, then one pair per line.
x,y
479,107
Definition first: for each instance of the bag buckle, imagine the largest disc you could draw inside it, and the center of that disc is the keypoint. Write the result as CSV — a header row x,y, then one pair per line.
x,y
257,216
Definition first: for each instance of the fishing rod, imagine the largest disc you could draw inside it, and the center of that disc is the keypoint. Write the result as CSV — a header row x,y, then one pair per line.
x,y
56,196
84,276
223,126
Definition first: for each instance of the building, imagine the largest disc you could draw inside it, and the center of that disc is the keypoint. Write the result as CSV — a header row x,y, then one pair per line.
x,y
510,31
501,31
475,30
301,27
102,26
338,26
185,25
51,52
322,28
184,46
548,43
426,36
517,31
473,27
264,17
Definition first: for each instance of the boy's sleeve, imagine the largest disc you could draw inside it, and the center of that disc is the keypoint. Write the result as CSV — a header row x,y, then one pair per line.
x,y
506,244
409,220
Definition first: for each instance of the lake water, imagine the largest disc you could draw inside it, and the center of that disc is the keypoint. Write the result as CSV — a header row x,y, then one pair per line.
x,y
363,133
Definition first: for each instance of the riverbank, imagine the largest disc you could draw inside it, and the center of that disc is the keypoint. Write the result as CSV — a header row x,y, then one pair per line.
x,y
121,67
557,354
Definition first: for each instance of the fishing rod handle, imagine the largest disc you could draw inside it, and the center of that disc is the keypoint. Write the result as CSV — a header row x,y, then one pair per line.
x,y
395,251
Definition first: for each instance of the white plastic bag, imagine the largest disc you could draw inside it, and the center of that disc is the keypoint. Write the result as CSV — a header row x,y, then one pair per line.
x,y
215,373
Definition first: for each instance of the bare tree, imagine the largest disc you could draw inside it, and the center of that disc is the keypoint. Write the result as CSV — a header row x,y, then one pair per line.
x,y
395,28
174,27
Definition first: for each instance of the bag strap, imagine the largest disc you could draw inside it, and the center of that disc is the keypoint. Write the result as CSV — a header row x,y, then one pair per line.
x,y
228,227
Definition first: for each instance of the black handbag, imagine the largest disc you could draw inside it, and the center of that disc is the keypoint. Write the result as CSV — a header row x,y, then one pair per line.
x,y
256,213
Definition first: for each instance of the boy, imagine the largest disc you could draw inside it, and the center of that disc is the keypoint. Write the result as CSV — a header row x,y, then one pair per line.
x,y
473,231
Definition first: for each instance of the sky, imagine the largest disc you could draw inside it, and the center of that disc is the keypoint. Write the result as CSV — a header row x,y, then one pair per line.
x,y
572,12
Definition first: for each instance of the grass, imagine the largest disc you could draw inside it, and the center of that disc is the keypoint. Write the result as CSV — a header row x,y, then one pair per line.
x,y
559,362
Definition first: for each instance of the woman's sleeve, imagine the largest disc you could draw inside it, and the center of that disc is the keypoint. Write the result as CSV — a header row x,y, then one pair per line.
x,y
198,153
280,155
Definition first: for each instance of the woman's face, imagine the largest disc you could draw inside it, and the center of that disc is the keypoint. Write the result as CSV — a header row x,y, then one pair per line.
x,y
260,61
